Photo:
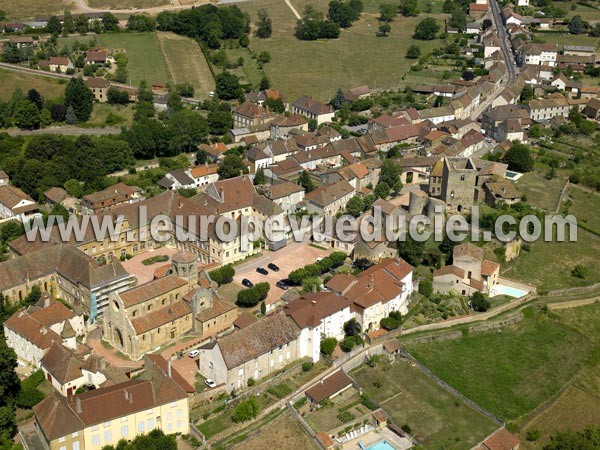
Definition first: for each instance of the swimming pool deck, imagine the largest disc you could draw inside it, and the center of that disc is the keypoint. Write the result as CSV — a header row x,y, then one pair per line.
x,y
373,437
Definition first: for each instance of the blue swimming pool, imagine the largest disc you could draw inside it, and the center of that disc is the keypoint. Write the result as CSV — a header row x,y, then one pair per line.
x,y
383,445
501,289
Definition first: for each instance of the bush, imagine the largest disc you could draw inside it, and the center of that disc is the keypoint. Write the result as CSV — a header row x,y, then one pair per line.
x,y
246,410
406,428
533,435
281,390
425,288
300,403
328,346
155,259
307,365
579,271
251,382
250,297
346,417
348,344
368,403
480,302
222,275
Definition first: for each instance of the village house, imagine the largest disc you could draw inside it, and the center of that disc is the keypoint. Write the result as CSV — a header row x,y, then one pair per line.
x,y
416,170
478,11
501,191
56,64
196,177
23,41
376,292
214,152
357,93
538,54
99,87
501,439
258,158
262,348
110,197
68,371
4,178
317,315
260,97
16,204
282,125
491,44
101,417
329,387
387,121
95,57
250,114
510,17
592,109
437,115
312,109
492,118
287,195
548,108
329,199
468,273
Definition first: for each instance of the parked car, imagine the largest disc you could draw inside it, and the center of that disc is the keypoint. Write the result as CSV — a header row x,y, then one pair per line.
x,y
246,282
194,353
273,267
281,284
262,270
210,383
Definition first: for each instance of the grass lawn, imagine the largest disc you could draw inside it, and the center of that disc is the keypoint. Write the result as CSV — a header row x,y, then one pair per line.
x,y
25,9
530,363
585,207
321,67
146,61
186,63
282,433
566,38
585,12
540,191
548,265
249,72
326,417
50,88
437,419
102,110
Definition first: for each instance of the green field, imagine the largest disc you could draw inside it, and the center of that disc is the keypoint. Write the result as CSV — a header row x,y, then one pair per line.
x,y
530,363
146,61
585,206
125,4
540,191
566,38
321,67
25,9
50,88
437,419
186,63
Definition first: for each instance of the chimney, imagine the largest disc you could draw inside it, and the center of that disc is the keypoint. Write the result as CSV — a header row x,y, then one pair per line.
x,y
180,204
169,367
222,194
126,392
77,405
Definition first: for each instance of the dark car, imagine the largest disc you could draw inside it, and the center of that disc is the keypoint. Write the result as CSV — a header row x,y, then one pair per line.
x,y
262,270
281,284
273,267
246,282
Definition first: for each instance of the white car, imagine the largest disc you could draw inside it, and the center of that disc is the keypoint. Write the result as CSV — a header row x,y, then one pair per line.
x,y
194,353
210,383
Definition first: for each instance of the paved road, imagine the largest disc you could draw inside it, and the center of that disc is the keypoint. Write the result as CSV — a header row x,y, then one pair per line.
x,y
74,131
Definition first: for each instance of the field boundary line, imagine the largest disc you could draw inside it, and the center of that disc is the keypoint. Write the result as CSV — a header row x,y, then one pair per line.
x,y
170,73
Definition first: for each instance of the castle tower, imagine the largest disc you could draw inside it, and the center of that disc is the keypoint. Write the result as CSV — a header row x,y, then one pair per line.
x,y
185,265
69,337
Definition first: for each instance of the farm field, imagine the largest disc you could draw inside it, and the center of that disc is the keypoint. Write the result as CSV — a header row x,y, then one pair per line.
x,y
25,9
584,205
540,191
321,67
50,88
530,364
101,114
186,63
436,418
566,38
125,4
146,61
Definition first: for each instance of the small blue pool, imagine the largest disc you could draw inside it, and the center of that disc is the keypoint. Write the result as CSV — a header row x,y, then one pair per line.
x,y
502,289
383,445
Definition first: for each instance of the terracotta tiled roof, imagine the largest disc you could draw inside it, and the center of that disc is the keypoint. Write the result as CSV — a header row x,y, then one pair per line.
x,y
62,363
329,193
56,312
468,249
244,320
159,361
489,267
96,82
11,196
219,307
449,270
501,440
340,282
31,329
329,386
312,307
96,56
152,289
55,417
307,103
281,190
56,194
325,439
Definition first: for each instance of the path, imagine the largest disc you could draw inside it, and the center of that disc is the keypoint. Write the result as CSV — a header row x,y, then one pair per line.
x,y
294,11
563,195
80,6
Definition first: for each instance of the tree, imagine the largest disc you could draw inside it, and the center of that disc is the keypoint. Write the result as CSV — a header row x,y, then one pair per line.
x,y
387,12
264,27
68,23
54,26
458,19
110,22
338,100
264,83
352,328
426,29
425,288
70,116
141,22
36,98
81,24
487,23
576,25
187,130
245,410
228,86
341,13
413,52
275,105
587,439
26,115
231,166
411,251
408,8
580,271
328,346
384,29
222,275
219,122
249,298
480,302
527,93
80,97
73,188
116,96
390,174
306,182
382,190
355,206
259,177
518,158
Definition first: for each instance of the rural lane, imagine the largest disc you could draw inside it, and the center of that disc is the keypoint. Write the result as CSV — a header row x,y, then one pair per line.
x,y
82,7
71,131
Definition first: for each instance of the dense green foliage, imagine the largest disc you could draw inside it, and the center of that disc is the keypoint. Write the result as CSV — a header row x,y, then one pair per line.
x,y
222,275
246,410
250,297
155,440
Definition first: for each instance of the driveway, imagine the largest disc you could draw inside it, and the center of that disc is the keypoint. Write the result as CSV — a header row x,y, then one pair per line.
x,y
291,257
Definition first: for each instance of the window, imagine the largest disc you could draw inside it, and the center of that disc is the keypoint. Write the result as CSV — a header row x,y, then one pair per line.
x,y
124,431
107,436
141,427
95,428
75,445
96,439
107,424
150,424
62,439
74,435
123,419
62,447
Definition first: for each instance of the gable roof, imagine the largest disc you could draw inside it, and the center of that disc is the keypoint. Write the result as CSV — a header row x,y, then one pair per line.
x,y
152,289
62,363
312,307
327,194
467,249
307,103
55,417
11,196
329,386
257,339
31,329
